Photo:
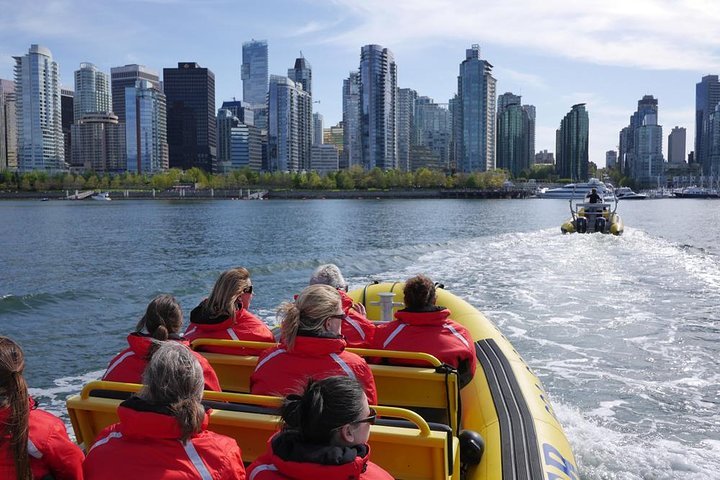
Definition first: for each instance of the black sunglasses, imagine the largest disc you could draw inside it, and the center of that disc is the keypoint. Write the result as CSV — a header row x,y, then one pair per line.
x,y
248,289
369,419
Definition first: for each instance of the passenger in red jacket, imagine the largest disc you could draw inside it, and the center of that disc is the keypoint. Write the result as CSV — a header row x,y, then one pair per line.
x,y
356,328
324,436
33,444
424,327
225,315
162,432
311,346
163,320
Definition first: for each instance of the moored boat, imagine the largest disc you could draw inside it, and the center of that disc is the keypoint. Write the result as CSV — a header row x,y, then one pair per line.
x,y
626,193
574,190
696,192
102,196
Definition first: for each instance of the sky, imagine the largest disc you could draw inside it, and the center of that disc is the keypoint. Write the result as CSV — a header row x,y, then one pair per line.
x,y
555,53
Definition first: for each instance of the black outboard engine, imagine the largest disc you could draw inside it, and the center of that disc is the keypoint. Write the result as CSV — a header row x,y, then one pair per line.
x,y
472,447
581,224
600,224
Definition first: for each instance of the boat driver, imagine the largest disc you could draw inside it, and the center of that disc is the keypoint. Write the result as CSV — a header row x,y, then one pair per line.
x,y
594,197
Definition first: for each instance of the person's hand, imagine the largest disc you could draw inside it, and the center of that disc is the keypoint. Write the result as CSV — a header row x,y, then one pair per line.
x,y
360,308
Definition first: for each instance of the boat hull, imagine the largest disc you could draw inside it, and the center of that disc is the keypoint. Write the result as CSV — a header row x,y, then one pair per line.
x,y
505,402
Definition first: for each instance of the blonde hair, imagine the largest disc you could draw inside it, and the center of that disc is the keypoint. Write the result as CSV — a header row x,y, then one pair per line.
x,y
311,308
228,288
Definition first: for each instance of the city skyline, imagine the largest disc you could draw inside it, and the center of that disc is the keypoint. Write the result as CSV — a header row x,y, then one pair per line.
x,y
558,54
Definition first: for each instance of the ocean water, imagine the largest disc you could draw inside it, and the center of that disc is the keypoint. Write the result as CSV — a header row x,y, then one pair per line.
x,y
623,331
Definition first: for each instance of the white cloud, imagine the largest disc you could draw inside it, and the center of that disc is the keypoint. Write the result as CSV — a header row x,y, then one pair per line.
x,y
515,77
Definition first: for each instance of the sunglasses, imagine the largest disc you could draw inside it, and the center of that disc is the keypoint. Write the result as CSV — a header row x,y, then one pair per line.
x,y
369,419
248,289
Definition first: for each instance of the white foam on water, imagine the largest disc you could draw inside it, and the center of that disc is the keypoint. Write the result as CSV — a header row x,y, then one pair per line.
x,y
53,399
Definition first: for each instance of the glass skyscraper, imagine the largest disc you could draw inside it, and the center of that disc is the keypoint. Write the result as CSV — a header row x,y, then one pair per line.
x,y
474,110
255,71
92,91
352,142
571,144
8,126
513,135
405,126
707,97
127,76
378,108
289,126
145,128
302,73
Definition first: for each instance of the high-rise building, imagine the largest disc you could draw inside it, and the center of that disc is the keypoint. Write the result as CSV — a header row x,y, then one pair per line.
x,y
571,144
191,124
92,91
302,73
676,146
99,143
474,113
317,129
239,144
352,132
38,111
289,126
431,140
625,148
711,165
405,126
127,76
544,157
640,156
335,135
513,135
378,108
67,115
254,72
707,97
145,128
241,110
324,158
611,157
530,110
8,126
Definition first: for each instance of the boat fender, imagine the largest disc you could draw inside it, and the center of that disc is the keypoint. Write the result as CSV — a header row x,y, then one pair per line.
x,y
472,446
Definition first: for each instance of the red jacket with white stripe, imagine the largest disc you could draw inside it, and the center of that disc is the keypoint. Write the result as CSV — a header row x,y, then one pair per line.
x,y
288,458
145,444
244,326
280,371
429,332
356,328
50,450
129,365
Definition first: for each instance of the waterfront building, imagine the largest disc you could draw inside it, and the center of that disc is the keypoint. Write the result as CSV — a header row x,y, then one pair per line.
x,y
239,144
513,135
302,73
8,126
352,138
335,135
241,110
378,108
145,128
676,145
712,136
92,91
571,144
707,97
127,76
432,135
640,153
405,126
474,114
625,148
99,143
324,158
254,72
191,125
289,125
544,157
318,129
611,157
38,111
67,115
530,111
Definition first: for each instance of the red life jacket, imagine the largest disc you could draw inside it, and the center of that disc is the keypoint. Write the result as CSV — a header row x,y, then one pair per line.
x,y
280,371
129,365
245,326
356,328
50,450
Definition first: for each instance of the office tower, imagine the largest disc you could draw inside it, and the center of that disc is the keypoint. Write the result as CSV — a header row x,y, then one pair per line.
x,y
475,105
324,158
378,108
431,140
640,156
99,143
611,157
289,126
127,76
92,91
335,135
191,124
239,144
624,148
530,110
8,126
67,115
241,110
676,145
405,126
302,73
352,139
38,111
317,129
254,72
513,135
544,157
707,97
571,144
711,166
145,128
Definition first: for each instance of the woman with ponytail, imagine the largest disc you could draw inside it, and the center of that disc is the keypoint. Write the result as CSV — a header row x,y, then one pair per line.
x,y
311,346
162,321
33,444
325,432
225,315
162,432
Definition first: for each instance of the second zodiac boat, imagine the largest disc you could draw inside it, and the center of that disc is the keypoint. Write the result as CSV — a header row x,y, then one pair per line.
x,y
505,404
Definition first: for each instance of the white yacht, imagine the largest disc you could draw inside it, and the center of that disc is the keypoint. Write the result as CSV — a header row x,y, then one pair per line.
x,y
102,196
626,193
575,190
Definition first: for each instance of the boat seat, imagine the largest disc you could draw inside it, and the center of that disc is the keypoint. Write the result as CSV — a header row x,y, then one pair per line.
x,y
430,391
408,448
